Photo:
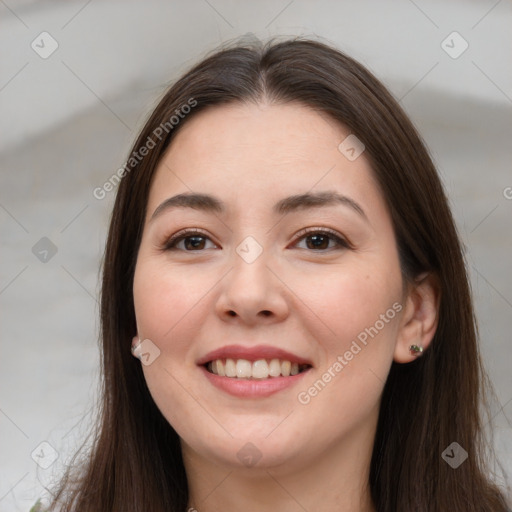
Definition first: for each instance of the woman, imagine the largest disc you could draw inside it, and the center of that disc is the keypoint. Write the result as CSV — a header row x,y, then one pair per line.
x,y
283,264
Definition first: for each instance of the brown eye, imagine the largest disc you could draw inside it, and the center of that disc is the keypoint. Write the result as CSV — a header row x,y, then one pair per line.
x,y
322,241
188,242
194,242
317,241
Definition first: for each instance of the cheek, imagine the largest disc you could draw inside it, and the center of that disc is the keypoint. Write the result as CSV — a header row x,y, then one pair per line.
x,y
165,298
357,352
168,309
361,307
347,301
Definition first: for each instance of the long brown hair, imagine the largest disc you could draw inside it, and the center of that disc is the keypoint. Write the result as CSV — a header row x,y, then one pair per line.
x,y
135,461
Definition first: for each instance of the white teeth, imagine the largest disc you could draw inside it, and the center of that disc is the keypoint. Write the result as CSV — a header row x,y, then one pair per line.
x,y
243,369
260,369
274,368
220,368
230,368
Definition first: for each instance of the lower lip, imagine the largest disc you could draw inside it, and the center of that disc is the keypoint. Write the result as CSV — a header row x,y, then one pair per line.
x,y
252,388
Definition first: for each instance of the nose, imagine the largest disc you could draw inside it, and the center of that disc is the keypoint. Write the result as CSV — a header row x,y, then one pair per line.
x,y
252,293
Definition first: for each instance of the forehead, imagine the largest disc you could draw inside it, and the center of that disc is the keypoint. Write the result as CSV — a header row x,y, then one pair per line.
x,y
248,151
284,133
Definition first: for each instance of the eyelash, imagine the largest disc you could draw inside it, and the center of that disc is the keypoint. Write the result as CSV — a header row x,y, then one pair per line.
x,y
341,241
170,244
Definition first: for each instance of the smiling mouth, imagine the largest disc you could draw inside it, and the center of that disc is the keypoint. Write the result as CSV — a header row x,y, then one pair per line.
x,y
255,370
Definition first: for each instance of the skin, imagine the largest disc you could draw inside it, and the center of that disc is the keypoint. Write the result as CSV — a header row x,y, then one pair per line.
x,y
311,302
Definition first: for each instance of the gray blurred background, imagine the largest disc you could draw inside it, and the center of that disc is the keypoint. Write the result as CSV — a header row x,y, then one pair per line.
x,y
76,82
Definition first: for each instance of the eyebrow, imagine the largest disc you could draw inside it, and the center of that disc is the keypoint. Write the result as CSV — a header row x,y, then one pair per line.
x,y
308,200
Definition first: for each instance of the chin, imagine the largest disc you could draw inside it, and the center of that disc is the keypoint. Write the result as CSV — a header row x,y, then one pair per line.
x,y
249,450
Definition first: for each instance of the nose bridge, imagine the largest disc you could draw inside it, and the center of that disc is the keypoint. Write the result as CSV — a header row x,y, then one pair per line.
x,y
250,270
251,289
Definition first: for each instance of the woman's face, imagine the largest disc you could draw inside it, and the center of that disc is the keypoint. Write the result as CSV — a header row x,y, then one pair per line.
x,y
290,264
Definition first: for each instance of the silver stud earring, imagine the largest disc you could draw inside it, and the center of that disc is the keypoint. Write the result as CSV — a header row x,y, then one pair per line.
x,y
415,350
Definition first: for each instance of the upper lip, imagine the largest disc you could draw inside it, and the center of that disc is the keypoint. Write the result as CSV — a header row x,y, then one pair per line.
x,y
252,354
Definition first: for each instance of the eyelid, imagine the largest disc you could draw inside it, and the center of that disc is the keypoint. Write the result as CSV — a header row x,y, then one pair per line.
x,y
178,236
340,239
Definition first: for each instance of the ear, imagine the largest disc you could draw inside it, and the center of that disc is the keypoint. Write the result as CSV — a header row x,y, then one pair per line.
x,y
420,317
135,346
